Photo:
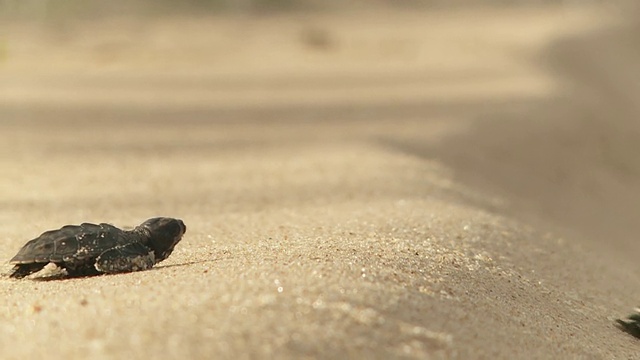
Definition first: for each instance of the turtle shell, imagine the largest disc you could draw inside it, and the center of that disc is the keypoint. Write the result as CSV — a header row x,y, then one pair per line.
x,y
71,243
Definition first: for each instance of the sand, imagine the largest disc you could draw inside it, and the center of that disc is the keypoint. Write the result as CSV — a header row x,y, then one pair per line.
x,y
444,184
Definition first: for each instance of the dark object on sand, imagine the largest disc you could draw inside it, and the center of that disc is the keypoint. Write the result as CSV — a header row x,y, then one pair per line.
x,y
631,324
90,249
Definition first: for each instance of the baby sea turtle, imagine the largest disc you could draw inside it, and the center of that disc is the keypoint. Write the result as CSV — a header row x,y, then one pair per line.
x,y
631,324
90,249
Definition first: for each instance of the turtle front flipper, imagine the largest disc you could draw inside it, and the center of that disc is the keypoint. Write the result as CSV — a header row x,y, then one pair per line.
x,y
125,258
631,324
21,270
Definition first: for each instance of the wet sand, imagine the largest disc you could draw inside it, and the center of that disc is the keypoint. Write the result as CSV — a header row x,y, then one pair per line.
x,y
363,185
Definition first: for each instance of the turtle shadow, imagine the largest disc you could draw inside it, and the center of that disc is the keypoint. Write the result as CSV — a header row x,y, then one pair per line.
x,y
62,275
186,263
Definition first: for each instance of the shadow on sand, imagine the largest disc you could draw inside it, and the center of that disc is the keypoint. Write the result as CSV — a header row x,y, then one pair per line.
x,y
571,160
59,274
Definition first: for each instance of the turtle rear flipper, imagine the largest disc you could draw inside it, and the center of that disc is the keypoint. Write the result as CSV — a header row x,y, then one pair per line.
x,y
125,258
631,324
21,270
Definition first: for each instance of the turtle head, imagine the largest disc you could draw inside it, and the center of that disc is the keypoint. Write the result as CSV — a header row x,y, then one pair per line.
x,y
163,234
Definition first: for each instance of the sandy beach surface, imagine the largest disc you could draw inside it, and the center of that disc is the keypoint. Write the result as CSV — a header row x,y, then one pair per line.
x,y
364,184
